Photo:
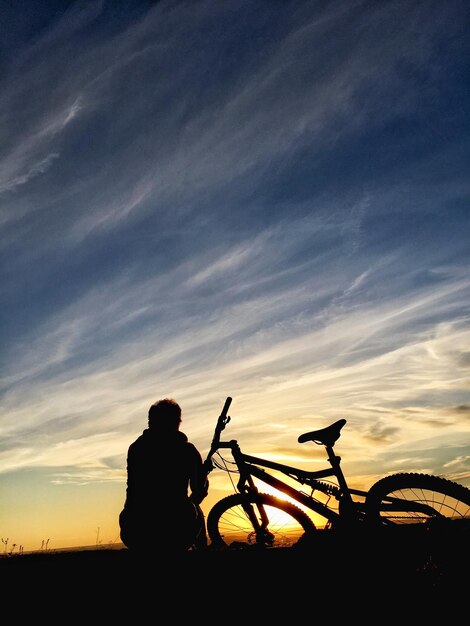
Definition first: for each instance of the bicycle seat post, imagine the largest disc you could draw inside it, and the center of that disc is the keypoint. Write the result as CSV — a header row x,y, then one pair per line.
x,y
335,462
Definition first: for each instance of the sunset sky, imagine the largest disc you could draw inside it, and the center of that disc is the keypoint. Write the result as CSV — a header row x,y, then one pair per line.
x,y
261,199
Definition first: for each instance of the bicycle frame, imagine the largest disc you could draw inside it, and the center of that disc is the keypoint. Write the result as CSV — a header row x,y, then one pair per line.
x,y
250,467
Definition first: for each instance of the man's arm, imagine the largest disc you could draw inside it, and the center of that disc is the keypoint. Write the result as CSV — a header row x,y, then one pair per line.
x,y
198,482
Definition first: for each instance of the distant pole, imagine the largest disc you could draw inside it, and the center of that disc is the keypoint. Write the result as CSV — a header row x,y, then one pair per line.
x,y
97,535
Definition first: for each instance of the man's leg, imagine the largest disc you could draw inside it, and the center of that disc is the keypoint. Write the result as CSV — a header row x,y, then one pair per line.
x,y
201,535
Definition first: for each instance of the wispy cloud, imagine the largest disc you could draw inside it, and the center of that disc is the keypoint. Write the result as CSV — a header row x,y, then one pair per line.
x,y
35,170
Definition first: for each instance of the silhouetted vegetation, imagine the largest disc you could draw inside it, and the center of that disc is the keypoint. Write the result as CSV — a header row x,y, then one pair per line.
x,y
408,560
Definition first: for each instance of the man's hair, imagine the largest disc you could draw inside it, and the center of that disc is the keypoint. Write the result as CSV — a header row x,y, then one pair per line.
x,y
165,414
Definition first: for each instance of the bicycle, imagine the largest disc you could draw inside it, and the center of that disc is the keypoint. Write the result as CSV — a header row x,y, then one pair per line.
x,y
252,517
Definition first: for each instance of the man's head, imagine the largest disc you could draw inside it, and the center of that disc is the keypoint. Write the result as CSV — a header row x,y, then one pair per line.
x,y
165,414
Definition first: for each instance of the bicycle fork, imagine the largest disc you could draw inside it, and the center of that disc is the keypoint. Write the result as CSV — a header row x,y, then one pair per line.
x,y
246,486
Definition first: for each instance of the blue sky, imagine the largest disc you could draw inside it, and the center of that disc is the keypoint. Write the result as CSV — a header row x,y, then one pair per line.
x,y
267,200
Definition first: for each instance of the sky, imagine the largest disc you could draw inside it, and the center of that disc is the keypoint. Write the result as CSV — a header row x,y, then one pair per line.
x,y
267,200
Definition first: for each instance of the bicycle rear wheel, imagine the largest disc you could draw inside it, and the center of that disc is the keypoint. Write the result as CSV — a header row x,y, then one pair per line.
x,y
228,523
417,499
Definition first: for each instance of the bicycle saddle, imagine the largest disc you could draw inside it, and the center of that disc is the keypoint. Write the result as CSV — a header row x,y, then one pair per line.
x,y
325,436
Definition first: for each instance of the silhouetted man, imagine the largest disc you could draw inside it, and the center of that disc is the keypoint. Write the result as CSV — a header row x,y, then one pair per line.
x,y
166,483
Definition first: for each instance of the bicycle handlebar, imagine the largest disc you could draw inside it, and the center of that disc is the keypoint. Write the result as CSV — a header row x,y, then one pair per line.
x,y
222,422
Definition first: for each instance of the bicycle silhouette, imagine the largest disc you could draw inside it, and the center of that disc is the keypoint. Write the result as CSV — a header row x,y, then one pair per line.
x,y
252,517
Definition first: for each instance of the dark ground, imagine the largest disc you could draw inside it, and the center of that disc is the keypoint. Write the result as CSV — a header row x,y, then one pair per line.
x,y
423,571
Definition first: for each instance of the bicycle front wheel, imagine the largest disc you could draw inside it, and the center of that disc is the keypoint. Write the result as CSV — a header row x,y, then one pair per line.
x,y
417,499
228,523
